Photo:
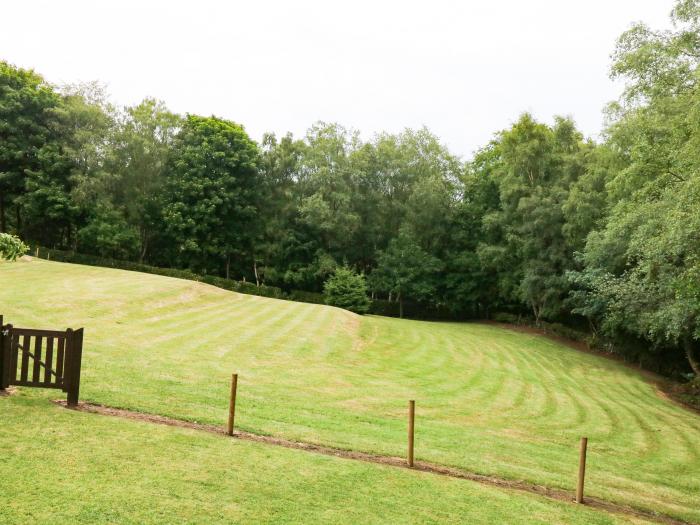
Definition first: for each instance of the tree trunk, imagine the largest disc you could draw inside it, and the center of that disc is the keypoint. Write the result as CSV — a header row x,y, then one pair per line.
x,y
18,216
400,306
689,346
255,271
3,226
144,245
228,265
537,311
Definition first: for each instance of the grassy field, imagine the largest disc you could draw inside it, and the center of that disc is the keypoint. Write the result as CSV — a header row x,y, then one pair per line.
x,y
58,466
488,400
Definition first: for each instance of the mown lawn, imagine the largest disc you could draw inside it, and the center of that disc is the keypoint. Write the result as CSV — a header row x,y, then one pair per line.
x,y
488,400
60,466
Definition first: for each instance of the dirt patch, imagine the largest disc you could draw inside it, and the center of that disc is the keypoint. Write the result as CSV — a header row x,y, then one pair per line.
x,y
664,387
421,466
10,390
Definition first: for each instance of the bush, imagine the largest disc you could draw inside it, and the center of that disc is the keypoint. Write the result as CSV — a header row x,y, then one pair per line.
x,y
348,290
11,247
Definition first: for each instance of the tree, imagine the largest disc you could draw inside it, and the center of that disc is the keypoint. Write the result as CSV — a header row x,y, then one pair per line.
x,y
71,177
469,288
142,144
347,289
325,180
641,266
534,166
27,134
210,197
406,270
277,249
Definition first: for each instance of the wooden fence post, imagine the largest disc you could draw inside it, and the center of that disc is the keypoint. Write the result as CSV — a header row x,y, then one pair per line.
x,y
581,470
411,426
232,403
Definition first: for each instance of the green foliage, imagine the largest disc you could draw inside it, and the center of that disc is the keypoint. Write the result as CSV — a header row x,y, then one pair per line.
x,y
107,234
11,247
640,267
30,140
534,166
143,142
406,270
210,194
347,289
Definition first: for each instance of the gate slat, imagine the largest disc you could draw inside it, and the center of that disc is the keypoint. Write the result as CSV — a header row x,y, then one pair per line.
x,y
14,350
25,357
49,360
59,360
36,373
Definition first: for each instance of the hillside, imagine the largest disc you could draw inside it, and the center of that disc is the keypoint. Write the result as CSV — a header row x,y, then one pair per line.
x,y
489,400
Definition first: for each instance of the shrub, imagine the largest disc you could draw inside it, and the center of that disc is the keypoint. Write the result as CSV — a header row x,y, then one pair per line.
x,y
348,290
11,247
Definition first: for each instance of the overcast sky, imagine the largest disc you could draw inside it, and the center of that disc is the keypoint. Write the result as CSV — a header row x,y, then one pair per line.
x,y
465,69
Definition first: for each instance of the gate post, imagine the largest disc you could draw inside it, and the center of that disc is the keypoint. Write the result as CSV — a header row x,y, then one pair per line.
x,y
2,355
5,350
74,341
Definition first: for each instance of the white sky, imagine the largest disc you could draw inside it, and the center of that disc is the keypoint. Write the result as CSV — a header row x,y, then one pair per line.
x,y
464,69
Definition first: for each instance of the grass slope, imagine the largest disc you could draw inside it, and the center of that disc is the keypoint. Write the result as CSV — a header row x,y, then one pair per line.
x,y
59,466
489,400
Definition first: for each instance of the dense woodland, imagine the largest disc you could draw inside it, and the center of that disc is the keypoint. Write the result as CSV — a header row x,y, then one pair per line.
x,y
541,222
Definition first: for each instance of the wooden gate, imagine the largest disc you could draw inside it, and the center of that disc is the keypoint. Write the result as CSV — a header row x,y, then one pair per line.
x,y
41,358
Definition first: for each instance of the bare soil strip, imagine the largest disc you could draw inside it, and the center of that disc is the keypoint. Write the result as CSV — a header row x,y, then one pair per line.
x,y
422,466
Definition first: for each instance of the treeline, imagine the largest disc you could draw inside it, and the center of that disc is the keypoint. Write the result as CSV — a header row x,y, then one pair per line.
x,y
541,222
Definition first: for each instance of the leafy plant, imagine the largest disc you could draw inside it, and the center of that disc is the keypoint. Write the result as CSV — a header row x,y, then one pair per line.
x,y
11,247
